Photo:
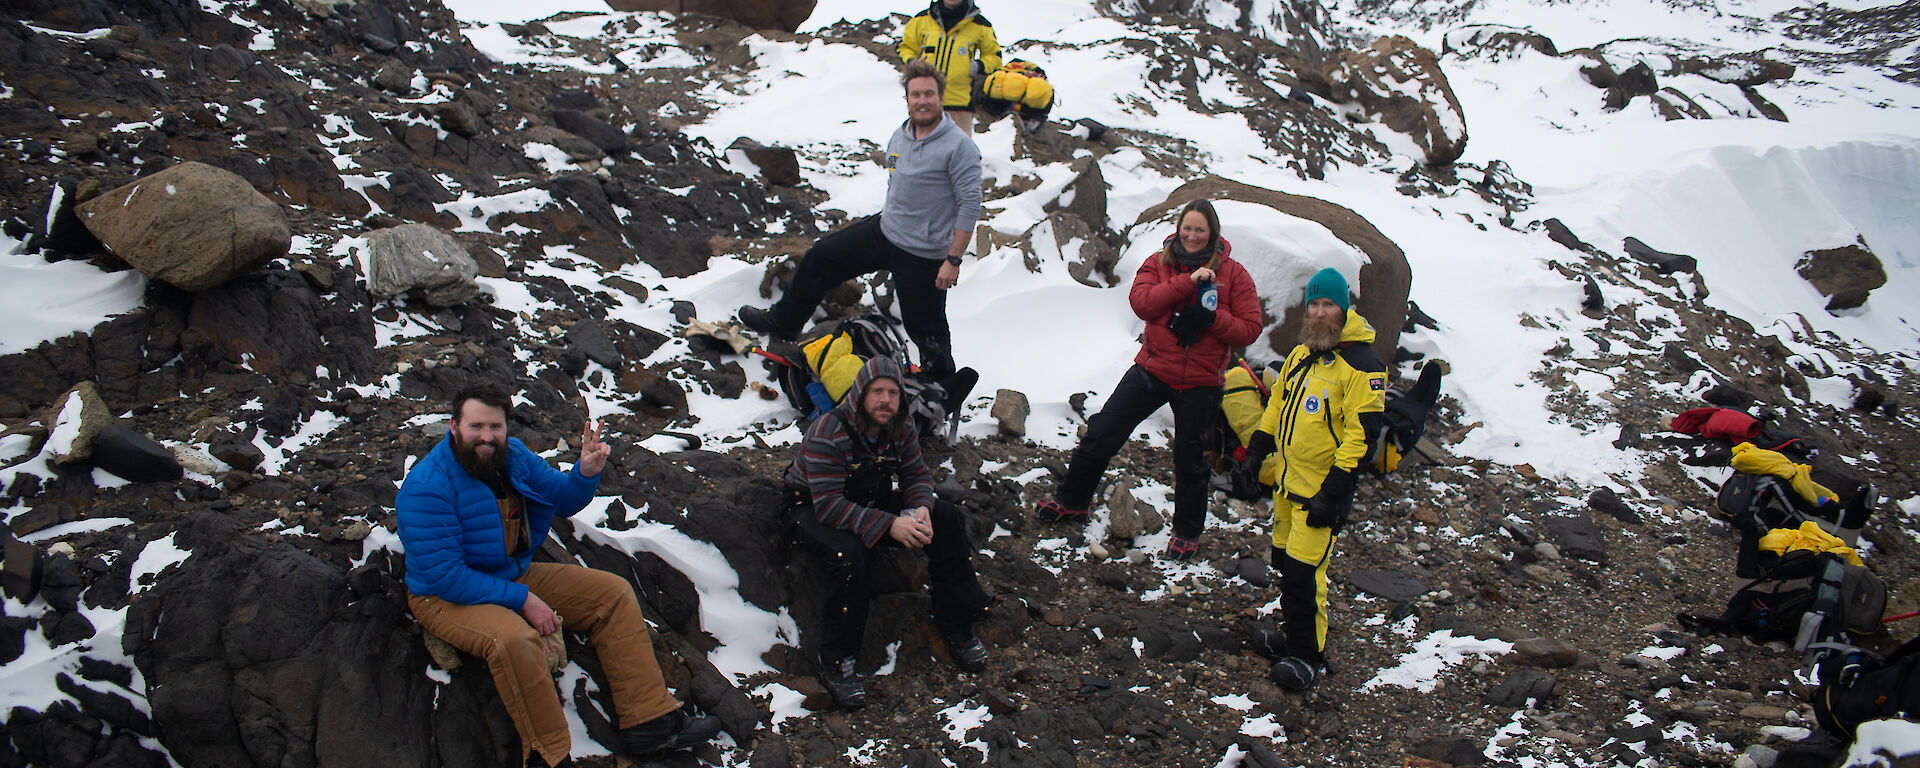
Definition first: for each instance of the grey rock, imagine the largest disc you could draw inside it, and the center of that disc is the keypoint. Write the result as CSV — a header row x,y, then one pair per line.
x,y
1010,408
1522,687
1544,652
420,257
1398,586
1667,263
1123,519
73,421
1578,537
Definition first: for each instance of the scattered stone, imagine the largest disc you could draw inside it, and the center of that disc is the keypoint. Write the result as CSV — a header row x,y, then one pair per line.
x,y
1846,275
779,166
1123,521
132,456
1666,263
422,258
1606,501
1452,750
1254,571
1398,586
1525,688
73,422
609,139
193,225
1545,653
1010,408
1578,537
1763,712
20,574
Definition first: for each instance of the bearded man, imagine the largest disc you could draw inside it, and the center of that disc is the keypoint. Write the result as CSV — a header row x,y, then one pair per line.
x,y
471,514
857,483
919,236
1309,442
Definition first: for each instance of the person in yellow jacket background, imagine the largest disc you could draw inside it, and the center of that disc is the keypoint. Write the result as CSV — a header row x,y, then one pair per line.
x,y
1309,443
950,35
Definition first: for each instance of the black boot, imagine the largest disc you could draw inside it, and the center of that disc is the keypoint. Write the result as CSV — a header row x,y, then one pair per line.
x,y
965,648
843,681
671,731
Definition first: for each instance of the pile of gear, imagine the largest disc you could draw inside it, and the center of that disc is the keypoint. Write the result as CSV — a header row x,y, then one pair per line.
x,y
1798,575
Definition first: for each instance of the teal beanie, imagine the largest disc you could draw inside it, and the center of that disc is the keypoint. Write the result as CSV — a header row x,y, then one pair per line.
x,y
1328,284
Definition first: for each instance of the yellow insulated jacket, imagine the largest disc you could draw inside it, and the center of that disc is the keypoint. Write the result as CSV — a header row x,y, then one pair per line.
x,y
1315,413
1243,398
952,51
1754,460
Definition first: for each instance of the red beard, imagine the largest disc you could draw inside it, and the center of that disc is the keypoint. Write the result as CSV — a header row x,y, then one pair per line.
x,y
1320,335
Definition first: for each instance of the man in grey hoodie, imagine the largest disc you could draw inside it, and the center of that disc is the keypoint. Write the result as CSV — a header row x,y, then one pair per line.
x,y
920,234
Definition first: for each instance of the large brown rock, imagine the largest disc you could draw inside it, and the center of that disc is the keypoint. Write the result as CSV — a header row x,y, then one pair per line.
x,y
1385,280
1402,84
785,15
192,225
1846,275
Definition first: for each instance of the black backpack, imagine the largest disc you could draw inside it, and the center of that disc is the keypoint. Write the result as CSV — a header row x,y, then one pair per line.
x,y
1804,596
930,402
1855,687
1756,504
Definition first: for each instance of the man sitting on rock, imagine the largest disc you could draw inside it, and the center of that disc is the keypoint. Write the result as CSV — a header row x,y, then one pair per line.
x,y
858,483
471,514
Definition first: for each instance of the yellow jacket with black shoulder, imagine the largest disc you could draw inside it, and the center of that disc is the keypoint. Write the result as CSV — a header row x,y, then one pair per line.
x,y
1316,413
952,49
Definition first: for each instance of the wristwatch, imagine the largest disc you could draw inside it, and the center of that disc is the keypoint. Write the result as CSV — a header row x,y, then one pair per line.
x,y
953,259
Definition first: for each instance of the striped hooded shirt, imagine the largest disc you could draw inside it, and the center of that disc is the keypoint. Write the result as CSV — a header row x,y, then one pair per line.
x,y
831,451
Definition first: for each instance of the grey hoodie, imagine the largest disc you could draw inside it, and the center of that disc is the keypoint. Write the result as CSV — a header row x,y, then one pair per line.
x,y
933,188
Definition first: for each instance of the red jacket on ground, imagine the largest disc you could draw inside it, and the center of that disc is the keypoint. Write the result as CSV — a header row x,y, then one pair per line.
x,y
1159,290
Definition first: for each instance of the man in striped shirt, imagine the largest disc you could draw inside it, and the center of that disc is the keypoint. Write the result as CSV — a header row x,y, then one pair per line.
x,y
859,483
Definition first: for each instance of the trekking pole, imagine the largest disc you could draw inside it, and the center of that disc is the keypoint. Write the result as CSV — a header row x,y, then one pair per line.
x,y
1907,615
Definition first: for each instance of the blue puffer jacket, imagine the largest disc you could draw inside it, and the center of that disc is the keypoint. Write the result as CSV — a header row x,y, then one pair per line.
x,y
450,524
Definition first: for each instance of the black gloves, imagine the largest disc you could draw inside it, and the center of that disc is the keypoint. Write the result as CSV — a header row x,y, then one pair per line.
x,y
1190,323
1259,447
1329,507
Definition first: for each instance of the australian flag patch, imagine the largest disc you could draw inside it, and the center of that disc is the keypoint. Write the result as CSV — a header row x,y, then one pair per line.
x,y
1377,384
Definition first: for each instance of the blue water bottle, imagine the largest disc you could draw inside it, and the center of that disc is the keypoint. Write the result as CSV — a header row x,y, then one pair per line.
x,y
1209,298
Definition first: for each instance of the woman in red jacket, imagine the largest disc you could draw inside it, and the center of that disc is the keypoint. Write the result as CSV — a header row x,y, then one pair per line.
x,y
1199,305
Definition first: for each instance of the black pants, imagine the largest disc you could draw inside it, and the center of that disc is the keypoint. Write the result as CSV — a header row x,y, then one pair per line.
x,y
858,249
1140,394
957,596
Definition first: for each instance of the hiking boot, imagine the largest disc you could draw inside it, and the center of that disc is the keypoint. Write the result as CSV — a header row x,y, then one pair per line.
x,y
1055,512
761,320
1296,674
968,654
843,682
1181,548
672,731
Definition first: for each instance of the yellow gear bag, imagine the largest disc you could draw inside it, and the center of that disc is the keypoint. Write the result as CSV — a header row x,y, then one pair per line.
x,y
1006,85
833,363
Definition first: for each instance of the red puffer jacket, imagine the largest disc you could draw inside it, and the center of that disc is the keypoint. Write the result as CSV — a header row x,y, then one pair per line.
x,y
1160,290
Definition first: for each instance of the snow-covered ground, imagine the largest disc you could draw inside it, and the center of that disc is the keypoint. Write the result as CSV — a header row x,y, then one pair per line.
x,y
1746,196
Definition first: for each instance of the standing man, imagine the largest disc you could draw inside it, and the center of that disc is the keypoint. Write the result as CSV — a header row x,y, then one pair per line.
x,y
1331,387
951,35
920,234
858,483
471,514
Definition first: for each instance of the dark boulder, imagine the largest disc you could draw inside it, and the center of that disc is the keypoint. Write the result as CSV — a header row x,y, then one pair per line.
x,y
1846,275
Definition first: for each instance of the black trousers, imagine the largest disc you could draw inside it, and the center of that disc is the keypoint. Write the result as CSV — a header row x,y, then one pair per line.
x,y
1138,395
957,596
858,249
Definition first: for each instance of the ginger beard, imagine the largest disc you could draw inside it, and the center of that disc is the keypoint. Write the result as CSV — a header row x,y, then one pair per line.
x,y
1320,333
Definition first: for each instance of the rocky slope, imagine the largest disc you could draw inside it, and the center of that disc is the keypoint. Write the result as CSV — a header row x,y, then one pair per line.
x,y
282,641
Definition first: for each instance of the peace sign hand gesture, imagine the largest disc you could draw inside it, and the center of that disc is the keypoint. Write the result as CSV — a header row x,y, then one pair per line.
x,y
593,453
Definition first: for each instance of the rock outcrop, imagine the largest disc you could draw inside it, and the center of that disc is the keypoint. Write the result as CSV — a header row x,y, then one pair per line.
x,y
1401,83
192,225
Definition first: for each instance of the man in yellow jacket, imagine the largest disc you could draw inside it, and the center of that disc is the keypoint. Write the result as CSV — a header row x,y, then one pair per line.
x,y
1309,442
950,35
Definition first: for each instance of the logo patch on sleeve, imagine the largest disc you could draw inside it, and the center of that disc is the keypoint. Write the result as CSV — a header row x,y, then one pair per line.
x,y
1377,384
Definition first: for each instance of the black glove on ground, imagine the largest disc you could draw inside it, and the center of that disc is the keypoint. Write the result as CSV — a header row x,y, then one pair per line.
x,y
1329,507
1190,323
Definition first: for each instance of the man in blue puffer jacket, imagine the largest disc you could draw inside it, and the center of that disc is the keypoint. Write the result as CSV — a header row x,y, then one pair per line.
x,y
471,514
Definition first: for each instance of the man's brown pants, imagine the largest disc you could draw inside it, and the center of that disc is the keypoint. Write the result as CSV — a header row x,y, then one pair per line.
x,y
598,602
